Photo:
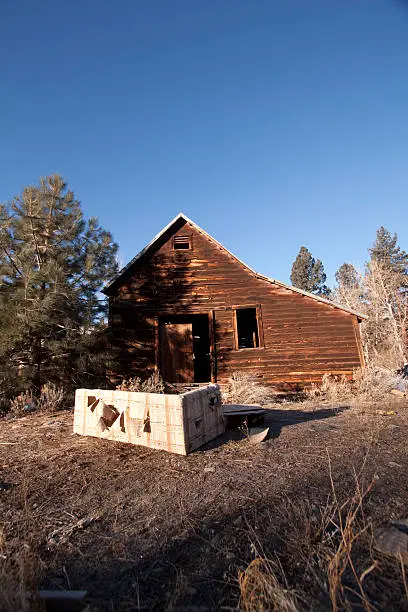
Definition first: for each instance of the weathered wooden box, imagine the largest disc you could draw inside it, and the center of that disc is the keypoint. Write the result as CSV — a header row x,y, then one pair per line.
x,y
176,423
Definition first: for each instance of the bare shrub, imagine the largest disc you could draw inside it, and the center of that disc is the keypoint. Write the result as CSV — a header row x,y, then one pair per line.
x,y
130,384
373,383
385,329
24,402
333,390
51,397
261,589
153,384
245,389
377,293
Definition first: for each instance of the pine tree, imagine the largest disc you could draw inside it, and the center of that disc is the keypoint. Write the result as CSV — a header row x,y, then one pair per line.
x,y
347,277
386,251
308,273
53,263
349,290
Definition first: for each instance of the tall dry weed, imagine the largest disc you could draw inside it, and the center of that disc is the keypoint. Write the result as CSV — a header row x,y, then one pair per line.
x,y
332,389
51,397
153,384
350,525
261,588
326,550
245,389
130,384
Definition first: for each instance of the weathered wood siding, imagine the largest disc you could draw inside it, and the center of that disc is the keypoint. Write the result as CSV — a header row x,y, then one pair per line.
x,y
302,338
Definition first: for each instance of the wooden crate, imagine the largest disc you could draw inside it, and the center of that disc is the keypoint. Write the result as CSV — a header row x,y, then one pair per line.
x,y
176,423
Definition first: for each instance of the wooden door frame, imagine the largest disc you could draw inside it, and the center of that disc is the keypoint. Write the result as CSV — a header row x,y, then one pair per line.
x,y
211,330
359,340
213,352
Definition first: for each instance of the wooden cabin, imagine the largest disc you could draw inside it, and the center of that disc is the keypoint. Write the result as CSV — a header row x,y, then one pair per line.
x,y
188,308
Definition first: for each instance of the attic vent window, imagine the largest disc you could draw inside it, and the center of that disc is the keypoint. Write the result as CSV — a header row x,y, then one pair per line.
x,y
247,328
181,243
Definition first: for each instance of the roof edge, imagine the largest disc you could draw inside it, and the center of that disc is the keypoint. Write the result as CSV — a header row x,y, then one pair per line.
x,y
143,251
181,215
319,298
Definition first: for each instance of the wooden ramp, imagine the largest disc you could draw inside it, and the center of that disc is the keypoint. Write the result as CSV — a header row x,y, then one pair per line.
x,y
237,415
243,410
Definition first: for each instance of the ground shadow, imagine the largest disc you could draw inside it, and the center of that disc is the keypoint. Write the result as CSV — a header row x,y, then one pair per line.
x,y
275,419
195,568
278,419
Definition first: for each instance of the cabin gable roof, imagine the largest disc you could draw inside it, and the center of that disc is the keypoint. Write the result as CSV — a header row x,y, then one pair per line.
x,y
176,224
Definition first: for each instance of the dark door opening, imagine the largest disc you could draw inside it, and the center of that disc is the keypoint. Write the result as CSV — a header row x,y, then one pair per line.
x,y
185,353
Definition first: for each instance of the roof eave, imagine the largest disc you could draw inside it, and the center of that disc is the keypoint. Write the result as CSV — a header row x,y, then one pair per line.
x,y
318,298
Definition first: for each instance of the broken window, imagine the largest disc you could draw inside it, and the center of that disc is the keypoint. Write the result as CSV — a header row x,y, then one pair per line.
x,y
181,243
247,328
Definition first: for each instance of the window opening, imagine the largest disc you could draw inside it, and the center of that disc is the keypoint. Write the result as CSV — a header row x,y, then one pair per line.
x,y
181,243
247,328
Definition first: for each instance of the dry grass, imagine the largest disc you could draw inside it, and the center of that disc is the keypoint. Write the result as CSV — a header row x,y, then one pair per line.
x,y
334,546
152,384
19,572
51,398
369,386
173,534
374,383
332,390
350,525
22,403
245,389
261,589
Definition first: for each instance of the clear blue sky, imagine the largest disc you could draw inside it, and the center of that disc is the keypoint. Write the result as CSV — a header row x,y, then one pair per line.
x,y
272,123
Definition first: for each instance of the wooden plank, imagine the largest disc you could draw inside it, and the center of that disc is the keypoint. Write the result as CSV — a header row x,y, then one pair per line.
x,y
213,352
242,409
176,343
357,333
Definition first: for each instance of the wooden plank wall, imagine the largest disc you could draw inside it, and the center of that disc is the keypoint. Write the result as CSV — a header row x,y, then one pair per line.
x,y
303,338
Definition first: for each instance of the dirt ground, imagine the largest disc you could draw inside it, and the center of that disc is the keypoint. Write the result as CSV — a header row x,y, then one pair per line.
x,y
163,531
